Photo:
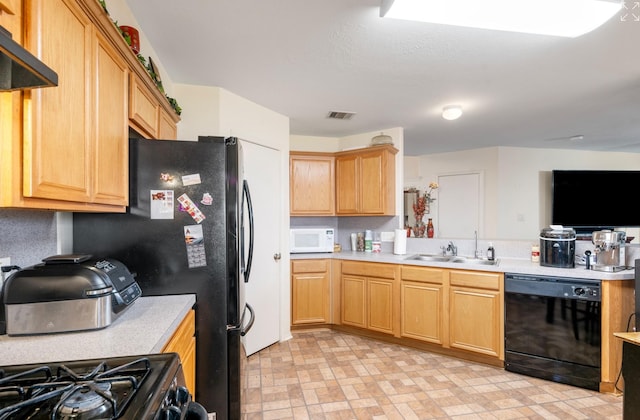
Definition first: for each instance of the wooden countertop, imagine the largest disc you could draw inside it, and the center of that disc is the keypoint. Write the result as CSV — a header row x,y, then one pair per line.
x,y
144,328
631,337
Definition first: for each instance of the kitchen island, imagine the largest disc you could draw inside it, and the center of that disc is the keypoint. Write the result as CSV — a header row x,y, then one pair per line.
x,y
144,328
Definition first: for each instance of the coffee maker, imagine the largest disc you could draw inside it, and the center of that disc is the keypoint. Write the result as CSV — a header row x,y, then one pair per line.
x,y
609,251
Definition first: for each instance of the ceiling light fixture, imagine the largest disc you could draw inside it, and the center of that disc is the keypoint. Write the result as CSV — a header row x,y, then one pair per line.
x,y
451,112
569,18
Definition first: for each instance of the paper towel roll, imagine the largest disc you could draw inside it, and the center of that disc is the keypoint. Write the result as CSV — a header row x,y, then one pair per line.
x,y
400,242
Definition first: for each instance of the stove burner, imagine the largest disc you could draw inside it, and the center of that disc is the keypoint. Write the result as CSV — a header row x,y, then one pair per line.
x,y
88,401
84,392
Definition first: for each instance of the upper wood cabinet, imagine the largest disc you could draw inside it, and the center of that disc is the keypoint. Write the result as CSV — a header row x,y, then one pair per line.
x,y
365,181
148,114
75,134
358,182
66,147
312,184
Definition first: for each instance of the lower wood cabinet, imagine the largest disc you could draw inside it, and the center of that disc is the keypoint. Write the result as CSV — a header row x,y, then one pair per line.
x,y
183,342
310,297
457,309
476,312
422,303
370,296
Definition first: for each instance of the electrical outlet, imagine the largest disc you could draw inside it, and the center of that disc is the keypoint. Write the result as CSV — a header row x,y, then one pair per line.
x,y
5,261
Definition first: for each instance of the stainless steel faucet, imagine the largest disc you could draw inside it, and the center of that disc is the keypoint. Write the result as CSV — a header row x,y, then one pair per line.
x,y
452,248
475,251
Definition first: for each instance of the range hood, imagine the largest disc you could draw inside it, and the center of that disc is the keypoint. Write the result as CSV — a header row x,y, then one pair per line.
x,y
19,69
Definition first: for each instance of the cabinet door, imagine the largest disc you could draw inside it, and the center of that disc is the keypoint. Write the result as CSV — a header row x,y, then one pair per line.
x,y
312,185
143,108
310,298
110,162
167,129
380,305
347,185
353,301
372,181
474,320
183,342
58,141
422,311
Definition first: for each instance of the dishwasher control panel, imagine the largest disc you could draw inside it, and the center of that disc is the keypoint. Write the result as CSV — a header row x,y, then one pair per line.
x,y
559,287
585,291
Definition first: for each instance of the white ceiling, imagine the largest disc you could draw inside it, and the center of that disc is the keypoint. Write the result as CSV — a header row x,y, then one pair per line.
x,y
305,58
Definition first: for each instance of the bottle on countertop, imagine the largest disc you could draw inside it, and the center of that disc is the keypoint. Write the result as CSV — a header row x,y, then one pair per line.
x,y
535,253
376,245
491,253
368,241
430,229
360,242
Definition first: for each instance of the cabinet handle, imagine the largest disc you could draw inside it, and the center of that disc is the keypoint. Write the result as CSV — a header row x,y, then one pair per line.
x,y
277,256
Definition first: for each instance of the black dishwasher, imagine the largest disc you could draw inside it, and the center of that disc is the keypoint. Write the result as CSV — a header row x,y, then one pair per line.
x,y
552,328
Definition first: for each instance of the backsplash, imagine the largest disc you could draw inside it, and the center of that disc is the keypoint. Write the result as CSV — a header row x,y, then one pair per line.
x,y
27,236
345,225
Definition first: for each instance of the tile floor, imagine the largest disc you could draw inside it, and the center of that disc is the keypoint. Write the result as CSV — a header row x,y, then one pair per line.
x,y
323,374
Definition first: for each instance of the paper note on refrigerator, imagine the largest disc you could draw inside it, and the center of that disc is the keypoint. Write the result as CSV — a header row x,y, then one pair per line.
x,y
161,204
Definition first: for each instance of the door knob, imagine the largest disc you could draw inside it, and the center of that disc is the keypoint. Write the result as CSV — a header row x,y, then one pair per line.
x,y
277,256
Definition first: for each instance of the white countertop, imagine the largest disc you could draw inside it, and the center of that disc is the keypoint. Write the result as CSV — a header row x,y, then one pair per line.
x,y
505,265
144,328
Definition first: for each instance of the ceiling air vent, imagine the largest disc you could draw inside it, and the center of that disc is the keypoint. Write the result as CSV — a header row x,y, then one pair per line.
x,y
341,115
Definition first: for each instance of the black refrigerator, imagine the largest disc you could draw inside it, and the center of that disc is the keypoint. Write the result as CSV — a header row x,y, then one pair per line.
x,y
184,233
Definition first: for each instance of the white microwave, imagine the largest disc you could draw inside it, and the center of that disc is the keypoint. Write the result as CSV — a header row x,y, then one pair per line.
x,y
307,240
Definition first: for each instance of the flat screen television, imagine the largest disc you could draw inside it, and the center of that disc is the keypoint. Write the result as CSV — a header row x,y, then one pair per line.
x,y
589,200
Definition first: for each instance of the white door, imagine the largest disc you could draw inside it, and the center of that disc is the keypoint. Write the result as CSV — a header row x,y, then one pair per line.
x,y
262,292
459,205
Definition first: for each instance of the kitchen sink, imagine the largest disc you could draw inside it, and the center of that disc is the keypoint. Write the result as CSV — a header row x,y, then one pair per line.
x,y
475,261
451,259
430,257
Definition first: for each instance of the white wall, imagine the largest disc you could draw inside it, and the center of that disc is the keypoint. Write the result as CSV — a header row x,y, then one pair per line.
x,y
119,12
217,112
517,188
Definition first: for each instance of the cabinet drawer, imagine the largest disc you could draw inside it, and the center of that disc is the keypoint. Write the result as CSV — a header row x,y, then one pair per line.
x,y
475,279
369,269
309,266
423,274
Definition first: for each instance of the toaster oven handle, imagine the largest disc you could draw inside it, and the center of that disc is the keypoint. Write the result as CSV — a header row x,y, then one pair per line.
x,y
67,259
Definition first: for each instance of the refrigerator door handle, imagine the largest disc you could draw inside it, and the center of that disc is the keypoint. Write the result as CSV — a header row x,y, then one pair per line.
x,y
240,327
246,269
245,330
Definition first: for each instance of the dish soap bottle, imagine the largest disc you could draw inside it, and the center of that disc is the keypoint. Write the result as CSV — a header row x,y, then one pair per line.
x,y
491,253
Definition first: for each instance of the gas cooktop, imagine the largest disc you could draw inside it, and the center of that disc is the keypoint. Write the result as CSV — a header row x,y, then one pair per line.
x,y
137,387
